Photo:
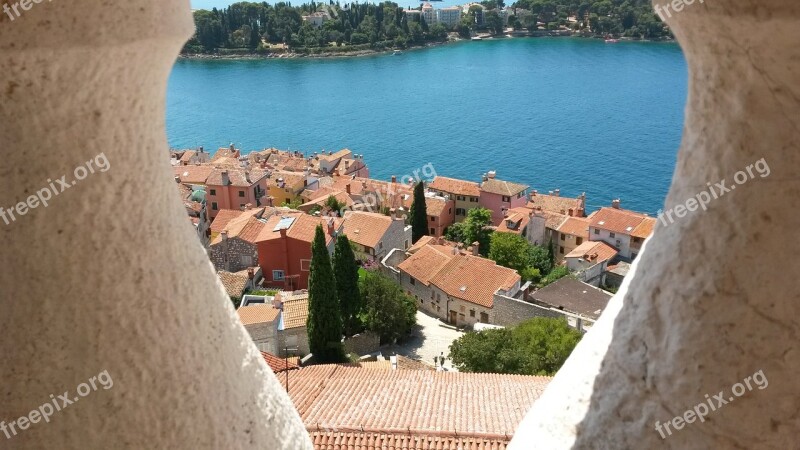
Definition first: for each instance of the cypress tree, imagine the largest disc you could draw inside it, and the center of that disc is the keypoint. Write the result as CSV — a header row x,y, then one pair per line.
x,y
324,323
419,213
345,270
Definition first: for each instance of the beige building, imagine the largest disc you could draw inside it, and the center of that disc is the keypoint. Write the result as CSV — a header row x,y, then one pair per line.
x,y
465,193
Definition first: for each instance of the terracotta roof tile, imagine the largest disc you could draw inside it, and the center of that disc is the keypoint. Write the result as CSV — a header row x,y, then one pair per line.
x,y
425,263
234,283
254,314
302,228
456,187
435,206
517,220
193,174
225,216
366,228
247,226
413,402
575,226
554,203
594,251
499,187
617,220
341,440
644,229
279,364
474,279
237,177
295,312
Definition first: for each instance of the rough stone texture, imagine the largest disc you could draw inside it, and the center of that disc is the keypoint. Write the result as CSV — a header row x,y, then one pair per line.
x,y
713,298
111,276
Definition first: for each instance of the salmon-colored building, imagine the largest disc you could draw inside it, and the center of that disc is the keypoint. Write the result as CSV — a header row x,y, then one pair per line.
x,y
233,188
284,248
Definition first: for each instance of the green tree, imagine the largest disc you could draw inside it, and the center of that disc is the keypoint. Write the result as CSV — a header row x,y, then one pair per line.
x,y
324,323
510,250
476,228
419,213
493,21
334,205
388,311
555,275
539,346
345,271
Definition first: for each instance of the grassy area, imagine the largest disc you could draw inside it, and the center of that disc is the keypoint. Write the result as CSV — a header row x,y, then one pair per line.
x,y
268,293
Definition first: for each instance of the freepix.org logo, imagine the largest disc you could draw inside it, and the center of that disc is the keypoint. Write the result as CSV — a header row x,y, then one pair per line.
x,y
16,9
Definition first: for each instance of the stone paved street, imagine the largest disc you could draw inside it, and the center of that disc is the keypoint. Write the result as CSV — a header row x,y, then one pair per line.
x,y
430,339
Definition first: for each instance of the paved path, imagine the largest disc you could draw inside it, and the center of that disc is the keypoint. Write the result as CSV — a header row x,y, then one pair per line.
x,y
430,339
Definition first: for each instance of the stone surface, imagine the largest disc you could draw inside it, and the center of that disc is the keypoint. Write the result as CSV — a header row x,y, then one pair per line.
x,y
713,299
111,276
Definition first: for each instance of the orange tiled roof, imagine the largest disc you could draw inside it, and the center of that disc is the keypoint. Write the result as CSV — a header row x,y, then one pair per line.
x,y
456,187
435,206
499,187
474,279
238,177
365,228
416,402
518,217
342,440
344,153
554,203
426,262
303,228
235,283
292,180
594,251
295,313
575,226
247,226
644,229
279,364
254,314
616,220
225,216
193,174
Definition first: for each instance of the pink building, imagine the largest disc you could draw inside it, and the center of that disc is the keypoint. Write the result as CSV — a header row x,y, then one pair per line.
x,y
233,188
501,196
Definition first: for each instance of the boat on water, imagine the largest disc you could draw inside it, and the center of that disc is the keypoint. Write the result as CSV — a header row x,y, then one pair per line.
x,y
477,38
612,41
397,52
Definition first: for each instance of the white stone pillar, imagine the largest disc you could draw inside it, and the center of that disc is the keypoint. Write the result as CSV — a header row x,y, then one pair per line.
x,y
111,276
714,298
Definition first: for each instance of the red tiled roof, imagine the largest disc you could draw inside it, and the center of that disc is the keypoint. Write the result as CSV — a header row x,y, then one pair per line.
x,y
518,217
594,251
254,314
193,174
456,187
342,440
365,228
303,228
554,203
415,402
225,216
617,220
425,263
279,364
575,226
238,177
295,312
234,283
474,279
644,229
507,188
435,206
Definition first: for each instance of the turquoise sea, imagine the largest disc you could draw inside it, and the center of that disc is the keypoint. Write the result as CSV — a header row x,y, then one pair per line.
x,y
569,113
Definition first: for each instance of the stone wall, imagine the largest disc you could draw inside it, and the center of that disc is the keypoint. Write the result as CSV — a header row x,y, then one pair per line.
x,y
363,344
227,255
299,341
510,312
264,335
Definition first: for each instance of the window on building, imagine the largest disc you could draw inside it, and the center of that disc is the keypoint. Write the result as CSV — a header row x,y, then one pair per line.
x,y
463,309
507,199
596,231
484,318
214,206
472,313
473,199
578,240
433,219
413,281
213,192
246,260
561,250
637,240
241,193
406,244
460,198
460,212
305,265
461,317
612,235
277,275
563,237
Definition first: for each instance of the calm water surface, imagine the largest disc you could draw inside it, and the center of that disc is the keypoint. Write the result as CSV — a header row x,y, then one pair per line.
x,y
568,113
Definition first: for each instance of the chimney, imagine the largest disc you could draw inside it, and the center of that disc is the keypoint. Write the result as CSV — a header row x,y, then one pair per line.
x,y
571,212
563,212
271,201
283,233
533,194
251,274
485,177
224,235
557,192
455,248
505,212
331,227
233,149
476,246
347,188
394,179
492,174
248,207
393,213
201,149
615,203
226,179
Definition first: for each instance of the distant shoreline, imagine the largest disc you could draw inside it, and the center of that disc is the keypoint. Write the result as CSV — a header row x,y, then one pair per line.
x,y
371,52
